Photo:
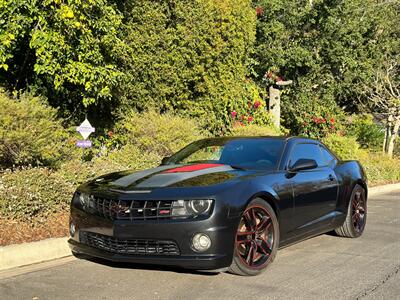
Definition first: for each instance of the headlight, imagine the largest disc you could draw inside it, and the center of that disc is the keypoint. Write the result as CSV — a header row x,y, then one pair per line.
x,y
81,199
191,207
84,199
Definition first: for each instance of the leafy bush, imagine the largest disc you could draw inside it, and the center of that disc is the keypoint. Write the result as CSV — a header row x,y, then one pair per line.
x,y
187,56
368,134
380,168
131,157
30,133
254,130
159,134
33,193
128,157
344,147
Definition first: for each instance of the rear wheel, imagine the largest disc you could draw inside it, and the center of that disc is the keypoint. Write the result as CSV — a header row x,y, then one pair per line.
x,y
257,239
356,217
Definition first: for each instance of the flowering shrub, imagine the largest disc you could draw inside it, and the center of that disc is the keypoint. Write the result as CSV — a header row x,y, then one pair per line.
x,y
271,77
319,126
252,110
251,115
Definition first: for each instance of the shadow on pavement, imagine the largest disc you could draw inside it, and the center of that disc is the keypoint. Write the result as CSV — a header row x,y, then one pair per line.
x,y
147,267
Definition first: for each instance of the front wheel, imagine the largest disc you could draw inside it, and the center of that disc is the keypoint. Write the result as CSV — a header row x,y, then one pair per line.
x,y
257,239
356,217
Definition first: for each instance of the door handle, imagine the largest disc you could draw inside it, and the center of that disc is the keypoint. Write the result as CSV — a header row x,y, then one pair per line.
x,y
330,177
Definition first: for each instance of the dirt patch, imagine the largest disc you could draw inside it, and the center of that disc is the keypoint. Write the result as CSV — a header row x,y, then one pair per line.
x,y
16,232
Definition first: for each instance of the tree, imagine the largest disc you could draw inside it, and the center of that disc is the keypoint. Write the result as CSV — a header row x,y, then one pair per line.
x,y
63,49
189,56
385,99
330,49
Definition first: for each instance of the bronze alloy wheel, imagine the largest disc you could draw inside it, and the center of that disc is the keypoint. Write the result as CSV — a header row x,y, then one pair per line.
x,y
358,211
256,239
356,217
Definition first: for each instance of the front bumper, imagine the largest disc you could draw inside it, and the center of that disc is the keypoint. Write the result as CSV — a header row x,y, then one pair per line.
x,y
218,227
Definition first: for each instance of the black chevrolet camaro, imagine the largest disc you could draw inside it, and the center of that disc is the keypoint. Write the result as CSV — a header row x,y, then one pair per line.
x,y
220,203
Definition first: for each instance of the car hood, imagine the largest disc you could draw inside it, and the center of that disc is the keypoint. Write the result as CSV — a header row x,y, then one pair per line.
x,y
168,176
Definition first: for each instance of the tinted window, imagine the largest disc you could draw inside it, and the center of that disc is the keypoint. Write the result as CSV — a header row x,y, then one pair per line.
x,y
329,158
248,153
306,151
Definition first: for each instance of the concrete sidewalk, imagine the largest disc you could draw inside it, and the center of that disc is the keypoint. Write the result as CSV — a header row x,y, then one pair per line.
x,y
13,256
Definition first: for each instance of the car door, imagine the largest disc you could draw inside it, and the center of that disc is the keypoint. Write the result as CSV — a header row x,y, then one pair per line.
x,y
314,190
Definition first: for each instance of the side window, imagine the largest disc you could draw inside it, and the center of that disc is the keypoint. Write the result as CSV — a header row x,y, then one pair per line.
x,y
329,158
306,151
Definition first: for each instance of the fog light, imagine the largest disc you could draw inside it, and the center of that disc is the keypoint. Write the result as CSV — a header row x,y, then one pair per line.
x,y
72,229
201,242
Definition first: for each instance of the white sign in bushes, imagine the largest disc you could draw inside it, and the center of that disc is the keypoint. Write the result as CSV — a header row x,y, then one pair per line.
x,y
85,129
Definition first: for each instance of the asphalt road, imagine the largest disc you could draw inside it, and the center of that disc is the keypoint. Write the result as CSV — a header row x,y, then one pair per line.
x,y
324,267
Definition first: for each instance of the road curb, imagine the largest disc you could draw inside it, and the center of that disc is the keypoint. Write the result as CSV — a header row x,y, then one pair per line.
x,y
13,256
19,255
376,190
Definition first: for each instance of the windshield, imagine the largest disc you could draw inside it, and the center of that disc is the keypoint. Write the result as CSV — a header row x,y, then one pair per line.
x,y
246,153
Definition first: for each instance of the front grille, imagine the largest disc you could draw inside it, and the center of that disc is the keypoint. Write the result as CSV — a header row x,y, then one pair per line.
x,y
130,210
129,247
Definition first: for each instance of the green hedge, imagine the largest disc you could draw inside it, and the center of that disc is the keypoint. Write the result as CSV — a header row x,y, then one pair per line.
x,y
33,193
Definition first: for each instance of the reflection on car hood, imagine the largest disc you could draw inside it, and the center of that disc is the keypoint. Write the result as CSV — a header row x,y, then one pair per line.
x,y
168,176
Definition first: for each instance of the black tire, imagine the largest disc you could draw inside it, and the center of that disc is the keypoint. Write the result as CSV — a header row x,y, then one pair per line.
x,y
256,240
356,217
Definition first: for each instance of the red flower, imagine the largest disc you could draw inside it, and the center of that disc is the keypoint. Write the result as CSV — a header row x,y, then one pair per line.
x,y
257,104
332,126
268,75
259,11
233,114
332,120
249,119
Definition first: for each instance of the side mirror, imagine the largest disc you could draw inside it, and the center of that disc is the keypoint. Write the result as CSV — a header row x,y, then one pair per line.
x,y
164,160
303,164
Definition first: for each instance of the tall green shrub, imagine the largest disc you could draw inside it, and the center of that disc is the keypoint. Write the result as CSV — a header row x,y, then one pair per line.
x,y
190,56
346,148
158,134
30,133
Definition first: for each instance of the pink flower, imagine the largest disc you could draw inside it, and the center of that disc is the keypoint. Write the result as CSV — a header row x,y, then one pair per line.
x,y
257,104
233,114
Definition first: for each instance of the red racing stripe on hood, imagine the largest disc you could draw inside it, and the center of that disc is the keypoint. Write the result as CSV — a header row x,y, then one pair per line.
x,y
192,168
